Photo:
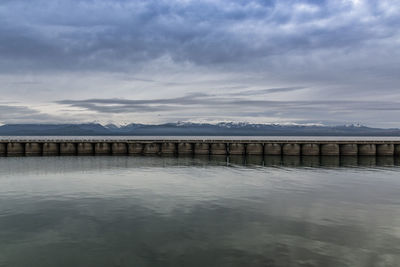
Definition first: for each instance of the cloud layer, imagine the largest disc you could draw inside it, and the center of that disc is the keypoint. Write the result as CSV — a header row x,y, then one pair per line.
x,y
287,60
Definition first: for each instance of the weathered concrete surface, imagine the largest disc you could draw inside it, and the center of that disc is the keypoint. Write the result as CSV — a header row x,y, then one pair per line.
x,y
67,149
33,149
15,149
168,148
349,149
3,149
291,149
385,150
310,150
51,149
367,150
254,149
330,150
201,149
135,148
152,148
102,149
237,149
185,148
119,149
84,149
272,149
218,149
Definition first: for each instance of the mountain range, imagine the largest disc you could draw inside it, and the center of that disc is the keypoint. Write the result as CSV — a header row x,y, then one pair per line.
x,y
191,129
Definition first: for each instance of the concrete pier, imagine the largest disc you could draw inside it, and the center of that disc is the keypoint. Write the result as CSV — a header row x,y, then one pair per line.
x,y
102,149
33,149
185,148
237,149
367,150
200,147
330,150
310,150
254,149
385,150
84,149
218,149
291,150
349,150
67,149
135,148
3,149
15,149
151,149
397,150
51,149
119,149
273,149
168,148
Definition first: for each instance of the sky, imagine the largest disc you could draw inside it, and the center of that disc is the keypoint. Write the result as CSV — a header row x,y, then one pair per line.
x,y
329,62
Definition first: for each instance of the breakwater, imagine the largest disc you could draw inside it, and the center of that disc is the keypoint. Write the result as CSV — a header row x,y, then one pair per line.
x,y
199,147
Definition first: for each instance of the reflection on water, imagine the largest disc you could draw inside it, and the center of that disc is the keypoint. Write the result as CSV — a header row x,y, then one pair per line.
x,y
199,211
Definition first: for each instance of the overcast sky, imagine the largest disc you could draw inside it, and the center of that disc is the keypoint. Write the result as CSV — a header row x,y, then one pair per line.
x,y
329,62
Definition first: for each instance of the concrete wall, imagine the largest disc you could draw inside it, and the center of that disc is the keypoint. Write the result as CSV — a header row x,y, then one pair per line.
x,y
237,149
51,149
330,150
291,150
84,149
67,149
272,149
151,149
218,149
33,149
367,150
310,150
288,148
201,148
135,148
349,149
102,149
15,149
254,149
119,149
185,148
3,149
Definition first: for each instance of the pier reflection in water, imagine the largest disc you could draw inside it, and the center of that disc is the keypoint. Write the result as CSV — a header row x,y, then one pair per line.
x,y
199,211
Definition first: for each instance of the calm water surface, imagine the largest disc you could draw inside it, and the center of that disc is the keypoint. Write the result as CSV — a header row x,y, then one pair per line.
x,y
166,211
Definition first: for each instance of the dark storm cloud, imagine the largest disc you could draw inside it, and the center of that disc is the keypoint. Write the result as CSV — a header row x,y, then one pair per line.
x,y
110,34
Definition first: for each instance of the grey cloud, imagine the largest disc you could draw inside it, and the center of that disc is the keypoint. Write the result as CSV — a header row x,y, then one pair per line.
x,y
346,52
267,91
97,34
200,105
17,114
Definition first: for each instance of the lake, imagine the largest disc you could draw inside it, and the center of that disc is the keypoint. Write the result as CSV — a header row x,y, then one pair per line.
x,y
199,211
